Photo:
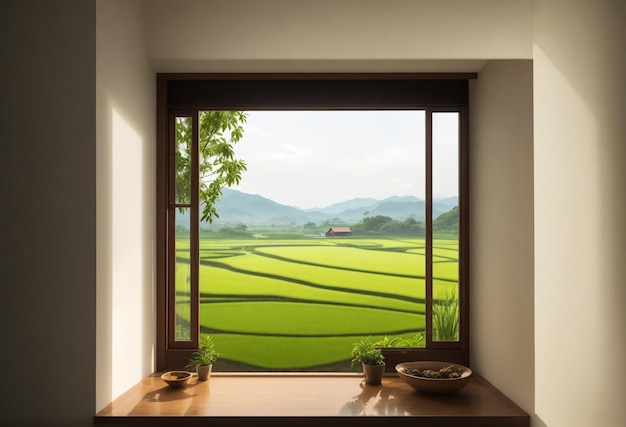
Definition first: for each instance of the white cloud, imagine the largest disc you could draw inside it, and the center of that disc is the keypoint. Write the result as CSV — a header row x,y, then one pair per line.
x,y
313,159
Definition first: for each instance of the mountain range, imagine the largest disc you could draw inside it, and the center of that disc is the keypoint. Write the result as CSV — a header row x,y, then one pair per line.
x,y
252,209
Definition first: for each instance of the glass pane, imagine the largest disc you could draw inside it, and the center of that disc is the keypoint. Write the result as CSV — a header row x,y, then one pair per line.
x,y
183,276
446,226
322,243
183,160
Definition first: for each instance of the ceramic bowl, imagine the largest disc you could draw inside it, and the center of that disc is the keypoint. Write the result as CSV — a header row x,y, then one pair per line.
x,y
176,378
434,385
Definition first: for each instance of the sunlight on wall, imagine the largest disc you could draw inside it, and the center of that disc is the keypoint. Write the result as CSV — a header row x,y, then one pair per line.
x,y
127,253
126,190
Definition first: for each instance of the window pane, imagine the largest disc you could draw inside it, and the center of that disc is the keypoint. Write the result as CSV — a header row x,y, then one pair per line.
x,y
183,276
446,226
183,159
322,243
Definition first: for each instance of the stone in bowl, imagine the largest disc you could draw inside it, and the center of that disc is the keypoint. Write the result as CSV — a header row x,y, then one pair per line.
x,y
176,378
434,385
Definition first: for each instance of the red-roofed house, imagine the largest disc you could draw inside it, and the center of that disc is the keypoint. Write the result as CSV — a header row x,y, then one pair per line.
x,y
339,232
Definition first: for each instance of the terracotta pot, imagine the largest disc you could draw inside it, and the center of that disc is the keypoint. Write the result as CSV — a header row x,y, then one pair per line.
x,y
204,372
373,374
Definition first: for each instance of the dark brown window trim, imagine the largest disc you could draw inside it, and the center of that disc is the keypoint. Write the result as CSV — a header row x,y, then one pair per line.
x,y
434,92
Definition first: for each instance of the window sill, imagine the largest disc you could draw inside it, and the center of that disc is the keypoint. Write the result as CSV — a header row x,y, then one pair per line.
x,y
286,400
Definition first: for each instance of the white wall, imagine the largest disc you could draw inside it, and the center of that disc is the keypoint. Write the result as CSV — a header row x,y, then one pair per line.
x,y
249,35
48,222
125,174
501,226
580,205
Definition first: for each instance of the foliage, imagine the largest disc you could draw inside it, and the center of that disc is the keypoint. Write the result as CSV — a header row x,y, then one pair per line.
x,y
408,227
416,340
384,225
205,355
447,222
446,318
365,352
237,231
310,227
388,342
219,131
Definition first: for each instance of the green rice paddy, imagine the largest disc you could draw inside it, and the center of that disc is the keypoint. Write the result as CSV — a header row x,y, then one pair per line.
x,y
300,304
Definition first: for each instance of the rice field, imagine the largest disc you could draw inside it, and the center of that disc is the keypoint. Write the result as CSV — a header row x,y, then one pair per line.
x,y
299,304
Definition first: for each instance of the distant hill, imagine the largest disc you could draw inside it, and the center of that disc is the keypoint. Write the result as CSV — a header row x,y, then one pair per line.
x,y
336,208
447,222
446,204
252,209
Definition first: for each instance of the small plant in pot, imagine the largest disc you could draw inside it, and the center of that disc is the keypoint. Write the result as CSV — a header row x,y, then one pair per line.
x,y
204,358
366,354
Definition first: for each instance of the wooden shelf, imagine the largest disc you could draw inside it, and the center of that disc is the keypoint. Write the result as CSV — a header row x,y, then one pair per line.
x,y
303,400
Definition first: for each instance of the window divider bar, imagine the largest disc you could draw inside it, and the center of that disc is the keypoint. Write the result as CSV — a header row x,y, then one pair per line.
x,y
195,233
464,252
170,229
429,227
172,207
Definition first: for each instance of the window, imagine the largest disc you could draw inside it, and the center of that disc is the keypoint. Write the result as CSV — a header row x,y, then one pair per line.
x,y
207,285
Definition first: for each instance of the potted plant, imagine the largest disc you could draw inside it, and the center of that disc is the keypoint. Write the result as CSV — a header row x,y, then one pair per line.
x,y
204,358
371,359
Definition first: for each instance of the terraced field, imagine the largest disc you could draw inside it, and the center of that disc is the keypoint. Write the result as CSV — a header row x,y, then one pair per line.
x,y
300,304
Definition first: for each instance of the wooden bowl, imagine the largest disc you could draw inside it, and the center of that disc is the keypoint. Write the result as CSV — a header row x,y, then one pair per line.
x,y
434,385
176,378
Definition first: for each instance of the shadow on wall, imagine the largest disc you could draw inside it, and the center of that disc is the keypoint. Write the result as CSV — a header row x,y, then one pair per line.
x,y
579,146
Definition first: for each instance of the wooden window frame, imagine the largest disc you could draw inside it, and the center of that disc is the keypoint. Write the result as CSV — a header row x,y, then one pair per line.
x,y
189,93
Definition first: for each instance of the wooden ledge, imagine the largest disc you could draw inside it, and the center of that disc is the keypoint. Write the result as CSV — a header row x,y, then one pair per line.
x,y
303,400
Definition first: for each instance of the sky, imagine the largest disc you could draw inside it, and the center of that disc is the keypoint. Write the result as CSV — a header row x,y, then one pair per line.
x,y
312,159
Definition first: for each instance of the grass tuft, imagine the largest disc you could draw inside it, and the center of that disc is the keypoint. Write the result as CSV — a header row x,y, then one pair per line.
x,y
446,318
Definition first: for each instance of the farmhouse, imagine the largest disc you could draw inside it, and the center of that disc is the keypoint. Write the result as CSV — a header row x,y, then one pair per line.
x,y
339,232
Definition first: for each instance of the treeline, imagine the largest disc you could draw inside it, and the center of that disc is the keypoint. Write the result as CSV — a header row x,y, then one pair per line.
x,y
379,225
387,226
237,230
446,223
